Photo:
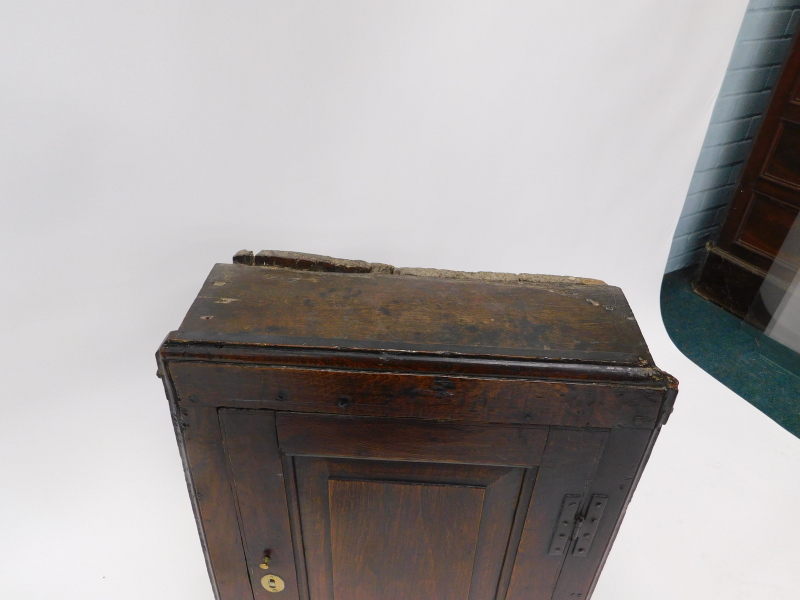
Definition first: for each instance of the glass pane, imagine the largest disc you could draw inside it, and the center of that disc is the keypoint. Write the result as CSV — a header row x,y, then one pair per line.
x,y
774,315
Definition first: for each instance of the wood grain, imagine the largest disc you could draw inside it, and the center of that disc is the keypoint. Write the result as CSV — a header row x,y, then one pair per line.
x,y
404,312
424,396
763,208
494,518
251,447
569,462
412,440
433,531
404,436
214,498
618,472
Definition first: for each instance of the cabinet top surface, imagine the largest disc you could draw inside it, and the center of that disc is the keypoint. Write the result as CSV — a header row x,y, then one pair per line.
x,y
550,320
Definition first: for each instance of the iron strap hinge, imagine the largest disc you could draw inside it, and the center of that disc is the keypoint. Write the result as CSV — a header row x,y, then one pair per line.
x,y
573,529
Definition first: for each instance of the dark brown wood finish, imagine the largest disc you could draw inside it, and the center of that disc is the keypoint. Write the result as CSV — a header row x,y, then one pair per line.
x,y
569,462
406,437
350,504
425,396
422,561
618,472
403,312
369,502
764,208
214,502
410,439
251,445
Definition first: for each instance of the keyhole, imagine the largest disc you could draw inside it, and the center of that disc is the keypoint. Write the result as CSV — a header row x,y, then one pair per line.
x,y
272,583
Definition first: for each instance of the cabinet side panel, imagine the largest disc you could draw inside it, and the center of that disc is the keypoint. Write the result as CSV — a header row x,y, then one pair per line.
x,y
258,481
215,502
568,463
617,474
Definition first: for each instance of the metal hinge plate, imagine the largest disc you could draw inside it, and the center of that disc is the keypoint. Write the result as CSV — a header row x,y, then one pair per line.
x,y
588,528
566,522
572,526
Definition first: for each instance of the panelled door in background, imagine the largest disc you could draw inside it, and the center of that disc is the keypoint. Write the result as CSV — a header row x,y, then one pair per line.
x,y
749,252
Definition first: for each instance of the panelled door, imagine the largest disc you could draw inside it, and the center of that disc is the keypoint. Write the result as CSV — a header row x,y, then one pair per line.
x,y
767,198
753,261
361,508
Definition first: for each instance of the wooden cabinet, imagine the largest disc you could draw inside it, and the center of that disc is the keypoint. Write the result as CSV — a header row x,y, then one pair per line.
x,y
353,431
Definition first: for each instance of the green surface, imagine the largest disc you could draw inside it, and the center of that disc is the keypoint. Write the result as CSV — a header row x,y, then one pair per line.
x,y
718,343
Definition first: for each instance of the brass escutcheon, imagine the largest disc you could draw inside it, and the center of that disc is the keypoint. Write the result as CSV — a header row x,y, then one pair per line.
x,y
272,583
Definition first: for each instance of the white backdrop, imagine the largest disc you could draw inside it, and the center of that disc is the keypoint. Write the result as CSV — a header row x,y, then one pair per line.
x,y
140,143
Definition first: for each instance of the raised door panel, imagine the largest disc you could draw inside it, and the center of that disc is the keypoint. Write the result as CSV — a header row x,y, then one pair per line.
x,y
388,510
401,530
765,227
783,162
422,559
